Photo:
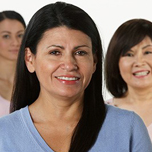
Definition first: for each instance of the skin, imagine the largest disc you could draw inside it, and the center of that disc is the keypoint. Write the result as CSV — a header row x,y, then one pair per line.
x,y
136,70
11,32
64,65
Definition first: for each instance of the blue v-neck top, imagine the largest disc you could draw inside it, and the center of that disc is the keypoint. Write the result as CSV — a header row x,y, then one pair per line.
x,y
122,131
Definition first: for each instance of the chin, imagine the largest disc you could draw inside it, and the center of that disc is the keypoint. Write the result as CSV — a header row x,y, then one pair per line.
x,y
140,87
68,95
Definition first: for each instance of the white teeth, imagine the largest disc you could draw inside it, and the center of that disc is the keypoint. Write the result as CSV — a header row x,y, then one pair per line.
x,y
141,73
68,78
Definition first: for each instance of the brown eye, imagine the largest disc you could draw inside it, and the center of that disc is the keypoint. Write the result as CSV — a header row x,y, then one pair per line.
x,y
6,36
55,52
148,52
81,53
128,54
20,35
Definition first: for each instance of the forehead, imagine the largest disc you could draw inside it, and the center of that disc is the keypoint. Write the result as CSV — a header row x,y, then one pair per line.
x,y
146,42
11,25
65,34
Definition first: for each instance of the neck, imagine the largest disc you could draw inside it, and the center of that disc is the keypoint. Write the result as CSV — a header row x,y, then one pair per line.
x,y
7,69
49,110
139,96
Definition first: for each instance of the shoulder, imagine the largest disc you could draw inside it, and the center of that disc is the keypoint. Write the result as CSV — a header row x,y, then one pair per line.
x,y
123,131
12,120
12,127
125,122
124,118
111,110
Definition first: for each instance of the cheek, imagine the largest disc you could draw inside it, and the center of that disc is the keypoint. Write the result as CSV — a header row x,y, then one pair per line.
x,y
42,69
87,65
3,45
89,70
125,68
4,49
124,65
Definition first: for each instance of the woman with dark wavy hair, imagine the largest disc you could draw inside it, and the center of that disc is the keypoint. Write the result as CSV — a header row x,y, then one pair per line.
x,y
128,69
57,103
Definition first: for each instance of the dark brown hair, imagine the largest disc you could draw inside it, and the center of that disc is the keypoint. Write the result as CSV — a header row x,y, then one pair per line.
x,y
125,37
9,14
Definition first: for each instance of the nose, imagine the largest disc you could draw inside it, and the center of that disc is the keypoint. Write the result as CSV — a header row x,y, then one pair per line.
x,y
69,63
15,41
139,60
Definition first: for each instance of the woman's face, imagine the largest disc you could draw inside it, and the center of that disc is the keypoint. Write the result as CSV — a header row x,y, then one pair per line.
x,y
136,65
11,33
64,62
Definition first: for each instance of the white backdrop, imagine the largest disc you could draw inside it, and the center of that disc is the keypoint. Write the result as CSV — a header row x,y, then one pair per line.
x,y
107,14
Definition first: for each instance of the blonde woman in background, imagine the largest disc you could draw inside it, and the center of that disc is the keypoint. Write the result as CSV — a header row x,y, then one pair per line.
x,y
12,28
128,69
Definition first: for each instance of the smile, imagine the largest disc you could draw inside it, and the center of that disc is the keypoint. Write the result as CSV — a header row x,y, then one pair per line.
x,y
141,73
68,78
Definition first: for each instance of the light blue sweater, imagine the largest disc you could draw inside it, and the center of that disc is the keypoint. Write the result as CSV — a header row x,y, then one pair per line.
x,y
122,131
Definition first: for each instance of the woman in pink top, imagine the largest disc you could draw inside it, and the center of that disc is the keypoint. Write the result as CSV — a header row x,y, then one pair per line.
x,y
12,27
128,69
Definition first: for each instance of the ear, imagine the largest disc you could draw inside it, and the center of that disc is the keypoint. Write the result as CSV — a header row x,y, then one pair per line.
x,y
95,63
29,60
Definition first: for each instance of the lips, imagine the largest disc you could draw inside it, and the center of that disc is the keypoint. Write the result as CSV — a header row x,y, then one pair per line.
x,y
67,78
14,51
143,73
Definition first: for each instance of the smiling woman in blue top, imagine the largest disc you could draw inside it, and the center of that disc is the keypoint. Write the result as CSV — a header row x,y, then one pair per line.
x,y
57,103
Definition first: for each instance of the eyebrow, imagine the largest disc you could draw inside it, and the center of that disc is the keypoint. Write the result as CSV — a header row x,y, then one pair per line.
x,y
56,46
75,48
81,46
146,46
10,32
